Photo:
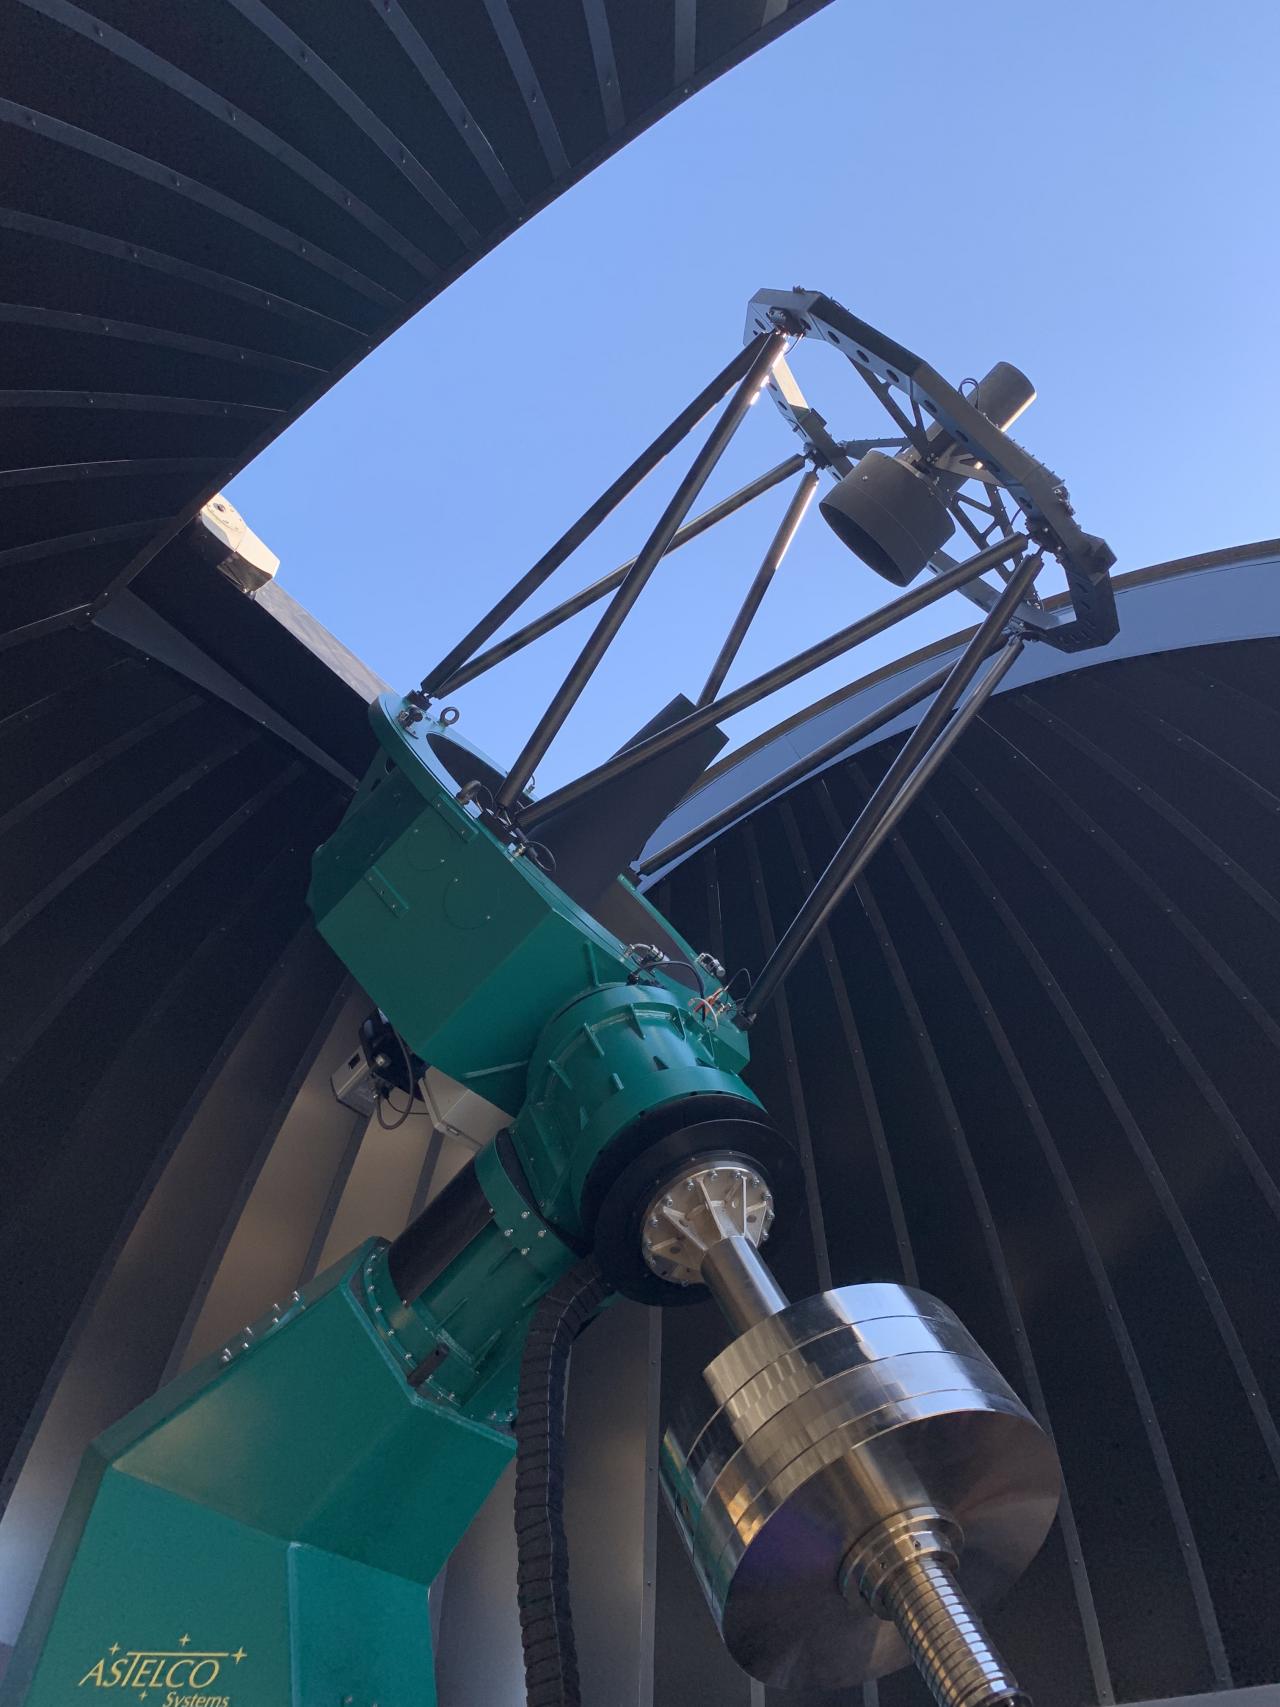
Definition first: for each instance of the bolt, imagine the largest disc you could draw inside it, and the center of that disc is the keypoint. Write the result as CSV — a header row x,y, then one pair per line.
x,y
542,1232
524,1250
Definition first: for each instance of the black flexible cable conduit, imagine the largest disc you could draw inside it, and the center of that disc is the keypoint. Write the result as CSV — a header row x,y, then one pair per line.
x,y
542,1549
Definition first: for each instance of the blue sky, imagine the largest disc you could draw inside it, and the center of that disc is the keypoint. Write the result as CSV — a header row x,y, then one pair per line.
x,y
1088,191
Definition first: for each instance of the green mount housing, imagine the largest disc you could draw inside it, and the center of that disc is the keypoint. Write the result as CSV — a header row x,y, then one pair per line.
x,y
265,1528
288,1501
463,942
492,974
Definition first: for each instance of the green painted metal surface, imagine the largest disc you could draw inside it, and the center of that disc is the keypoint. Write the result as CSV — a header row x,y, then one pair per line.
x,y
618,1052
265,1528
293,1501
463,942
475,1315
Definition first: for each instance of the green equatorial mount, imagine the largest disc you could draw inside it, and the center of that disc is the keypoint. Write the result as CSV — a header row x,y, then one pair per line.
x,y
301,1488
863,1475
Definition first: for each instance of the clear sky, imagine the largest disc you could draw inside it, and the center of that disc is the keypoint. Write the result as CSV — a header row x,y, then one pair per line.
x,y
1088,190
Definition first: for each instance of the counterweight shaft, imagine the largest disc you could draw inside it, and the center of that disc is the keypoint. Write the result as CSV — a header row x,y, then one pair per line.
x,y
707,1222
945,1638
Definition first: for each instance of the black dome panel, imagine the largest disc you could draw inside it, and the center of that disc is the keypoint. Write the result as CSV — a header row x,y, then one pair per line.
x,y
1033,1064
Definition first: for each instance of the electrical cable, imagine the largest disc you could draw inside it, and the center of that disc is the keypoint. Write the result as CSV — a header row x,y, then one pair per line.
x,y
384,1100
539,852
470,790
720,999
542,1548
657,961
402,1114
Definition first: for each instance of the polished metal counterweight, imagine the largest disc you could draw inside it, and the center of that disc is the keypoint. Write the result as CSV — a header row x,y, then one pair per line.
x,y
856,1477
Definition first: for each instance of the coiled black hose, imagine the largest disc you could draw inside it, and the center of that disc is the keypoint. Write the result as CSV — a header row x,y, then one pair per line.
x,y
542,1550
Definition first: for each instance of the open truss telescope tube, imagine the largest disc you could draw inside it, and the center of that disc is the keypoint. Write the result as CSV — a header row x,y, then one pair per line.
x,y
778,548
589,521
782,675
915,762
764,351
609,583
